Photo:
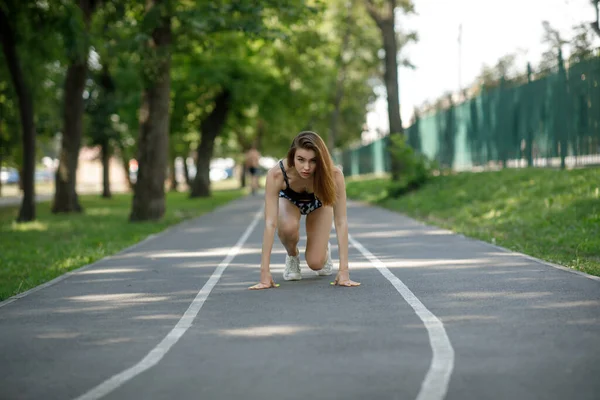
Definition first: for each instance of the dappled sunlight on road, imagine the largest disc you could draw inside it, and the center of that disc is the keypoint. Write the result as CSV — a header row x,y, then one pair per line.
x,y
496,295
399,233
587,321
157,317
523,280
266,331
218,252
110,341
461,318
74,335
198,229
449,320
191,265
111,271
569,304
58,335
368,227
105,280
455,264
509,271
86,310
243,285
119,297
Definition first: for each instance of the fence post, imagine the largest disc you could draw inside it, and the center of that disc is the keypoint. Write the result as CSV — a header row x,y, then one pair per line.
x,y
528,118
354,170
502,133
378,149
561,114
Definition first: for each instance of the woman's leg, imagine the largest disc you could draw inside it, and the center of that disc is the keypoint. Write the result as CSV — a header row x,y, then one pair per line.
x,y
318,228
288,226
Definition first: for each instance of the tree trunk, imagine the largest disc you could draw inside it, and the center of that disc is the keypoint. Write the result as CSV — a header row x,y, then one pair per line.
x,y
27,211
210,128
260,133
173,175
125,163
105,148
65,196
243,175
338,92
387,27
596,24
335,114
186,172
391,77
108,89
391,86
153,143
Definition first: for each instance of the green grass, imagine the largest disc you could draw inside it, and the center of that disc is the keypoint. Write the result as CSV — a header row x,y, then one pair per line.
x,y
36,252
549,214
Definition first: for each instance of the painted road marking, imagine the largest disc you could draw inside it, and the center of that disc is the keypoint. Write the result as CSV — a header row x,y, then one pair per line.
x,y
435,384
157,353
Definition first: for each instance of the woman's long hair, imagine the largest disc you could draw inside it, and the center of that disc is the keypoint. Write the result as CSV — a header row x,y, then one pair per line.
x,y
324,183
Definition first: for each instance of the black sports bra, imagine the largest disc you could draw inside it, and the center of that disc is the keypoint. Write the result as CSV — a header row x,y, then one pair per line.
x,y
293,195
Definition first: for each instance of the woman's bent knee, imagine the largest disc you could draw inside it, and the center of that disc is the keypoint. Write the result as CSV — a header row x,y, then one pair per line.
x,y
315,262
289,231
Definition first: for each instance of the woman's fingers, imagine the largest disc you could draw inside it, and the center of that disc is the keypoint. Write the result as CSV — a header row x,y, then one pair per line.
x,y
344,282
262,285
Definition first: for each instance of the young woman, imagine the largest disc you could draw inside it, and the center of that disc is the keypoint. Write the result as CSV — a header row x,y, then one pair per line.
x,y
305,183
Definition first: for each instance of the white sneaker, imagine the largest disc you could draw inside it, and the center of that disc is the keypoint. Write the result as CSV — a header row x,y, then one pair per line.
x,y
327,268
292,268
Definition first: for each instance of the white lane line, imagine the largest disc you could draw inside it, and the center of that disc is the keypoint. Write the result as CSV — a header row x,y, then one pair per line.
x,y
156,354
435,384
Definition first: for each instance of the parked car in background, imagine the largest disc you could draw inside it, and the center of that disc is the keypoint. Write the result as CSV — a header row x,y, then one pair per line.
x,y
44,175
9,176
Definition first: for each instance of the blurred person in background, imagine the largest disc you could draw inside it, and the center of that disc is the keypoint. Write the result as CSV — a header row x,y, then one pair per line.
x,y
251,165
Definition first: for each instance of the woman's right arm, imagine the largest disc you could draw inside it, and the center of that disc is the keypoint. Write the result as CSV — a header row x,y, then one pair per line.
x,y
272,186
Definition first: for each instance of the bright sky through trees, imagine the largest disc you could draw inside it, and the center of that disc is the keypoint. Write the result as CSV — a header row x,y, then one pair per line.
x,y
490,30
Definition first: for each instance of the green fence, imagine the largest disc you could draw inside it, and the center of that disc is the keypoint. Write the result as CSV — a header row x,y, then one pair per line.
x,y
549,121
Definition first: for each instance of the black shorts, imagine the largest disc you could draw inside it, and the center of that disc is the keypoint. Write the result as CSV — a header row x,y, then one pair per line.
x,y
305,206
253,170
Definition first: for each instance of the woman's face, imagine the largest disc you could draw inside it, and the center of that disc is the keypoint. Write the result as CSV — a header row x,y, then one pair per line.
x,y
305,162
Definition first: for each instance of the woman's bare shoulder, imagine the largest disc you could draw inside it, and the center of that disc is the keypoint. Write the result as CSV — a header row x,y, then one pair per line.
x,y
338,173
275,174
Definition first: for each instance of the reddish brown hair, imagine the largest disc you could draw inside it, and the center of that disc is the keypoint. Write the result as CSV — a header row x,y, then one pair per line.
x,y
324,184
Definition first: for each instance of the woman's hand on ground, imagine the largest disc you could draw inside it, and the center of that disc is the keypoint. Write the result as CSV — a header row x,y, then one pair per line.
x,y
343,279
266,282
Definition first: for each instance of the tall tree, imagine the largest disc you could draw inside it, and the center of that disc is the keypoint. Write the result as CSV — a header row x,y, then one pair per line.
x,y
342,67
101,107
383,13
110,41
221,48
596,24
210,127
153,143
555,43
581,44
23,91
65,195
356,63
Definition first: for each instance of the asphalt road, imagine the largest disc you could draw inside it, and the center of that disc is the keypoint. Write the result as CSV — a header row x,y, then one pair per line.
x,y
438,316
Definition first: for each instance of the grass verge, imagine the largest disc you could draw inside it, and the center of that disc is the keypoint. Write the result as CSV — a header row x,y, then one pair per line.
x,y
548,214
36,252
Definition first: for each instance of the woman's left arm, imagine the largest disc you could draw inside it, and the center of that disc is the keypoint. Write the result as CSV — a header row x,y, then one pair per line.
x,y
341,229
